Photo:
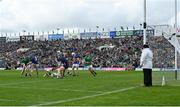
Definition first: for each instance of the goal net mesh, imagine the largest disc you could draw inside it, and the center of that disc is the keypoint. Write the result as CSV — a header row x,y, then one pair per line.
x,y
163,46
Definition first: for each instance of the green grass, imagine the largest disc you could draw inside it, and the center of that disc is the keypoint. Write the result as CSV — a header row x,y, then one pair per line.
x,y
107,89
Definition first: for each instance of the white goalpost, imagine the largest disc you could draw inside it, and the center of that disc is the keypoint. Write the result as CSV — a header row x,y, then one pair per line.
x,y
164,44
169,44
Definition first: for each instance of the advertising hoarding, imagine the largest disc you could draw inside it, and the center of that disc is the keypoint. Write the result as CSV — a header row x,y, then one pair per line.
x,y
55,36
27,38
104,35
2,39
12,39
41,37
113,34
88,35
118,34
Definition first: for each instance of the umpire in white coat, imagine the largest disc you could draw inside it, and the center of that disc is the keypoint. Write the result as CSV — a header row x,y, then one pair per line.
x,y
146,64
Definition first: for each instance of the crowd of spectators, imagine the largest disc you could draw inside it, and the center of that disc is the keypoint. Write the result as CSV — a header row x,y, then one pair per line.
x,y
164,52
125,53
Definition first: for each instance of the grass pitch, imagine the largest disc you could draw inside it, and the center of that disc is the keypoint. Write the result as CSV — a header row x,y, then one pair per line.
x,y
107,89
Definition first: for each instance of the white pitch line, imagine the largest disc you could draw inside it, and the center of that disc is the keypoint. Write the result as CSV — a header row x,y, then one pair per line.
x,y
52,89
81,90
86,97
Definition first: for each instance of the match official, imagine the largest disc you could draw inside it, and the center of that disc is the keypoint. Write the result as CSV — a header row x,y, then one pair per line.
x,y
146,64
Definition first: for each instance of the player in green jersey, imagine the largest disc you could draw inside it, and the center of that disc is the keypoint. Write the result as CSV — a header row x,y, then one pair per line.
x,y
88,64
25,62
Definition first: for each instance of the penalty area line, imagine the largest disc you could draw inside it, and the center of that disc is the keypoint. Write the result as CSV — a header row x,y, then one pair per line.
x,y
85,97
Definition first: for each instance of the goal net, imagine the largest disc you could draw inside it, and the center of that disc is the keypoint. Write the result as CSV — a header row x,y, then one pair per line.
x,y
163,45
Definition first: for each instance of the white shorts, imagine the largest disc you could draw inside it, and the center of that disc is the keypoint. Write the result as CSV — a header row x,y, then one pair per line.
x,y
75,65
89,67
28,67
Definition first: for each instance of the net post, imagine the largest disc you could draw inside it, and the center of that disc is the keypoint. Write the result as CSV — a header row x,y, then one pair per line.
x,y
176,41
176,74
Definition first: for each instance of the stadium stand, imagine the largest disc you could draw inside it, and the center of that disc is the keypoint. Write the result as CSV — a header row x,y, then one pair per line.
x,y
126,52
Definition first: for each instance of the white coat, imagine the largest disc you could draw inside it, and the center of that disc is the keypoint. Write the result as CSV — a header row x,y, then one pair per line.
x,y
146,59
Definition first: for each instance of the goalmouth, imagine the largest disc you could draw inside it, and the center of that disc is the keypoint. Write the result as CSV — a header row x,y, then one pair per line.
x,y
163,45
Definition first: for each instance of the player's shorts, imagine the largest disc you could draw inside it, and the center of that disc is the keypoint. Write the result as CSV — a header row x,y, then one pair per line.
x,y
29,66
75,65
66,66
34,62
89,66
24,63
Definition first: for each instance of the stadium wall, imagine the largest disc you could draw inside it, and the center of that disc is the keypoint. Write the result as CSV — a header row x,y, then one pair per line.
x,y
105,69
99,69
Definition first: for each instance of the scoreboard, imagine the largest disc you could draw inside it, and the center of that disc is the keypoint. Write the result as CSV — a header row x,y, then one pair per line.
x,y
27,38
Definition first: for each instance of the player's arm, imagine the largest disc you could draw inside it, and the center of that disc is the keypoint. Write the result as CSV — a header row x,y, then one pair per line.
x,y
83,61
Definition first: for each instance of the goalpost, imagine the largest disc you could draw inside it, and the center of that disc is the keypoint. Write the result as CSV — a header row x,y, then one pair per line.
x,y
163,45
166,47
